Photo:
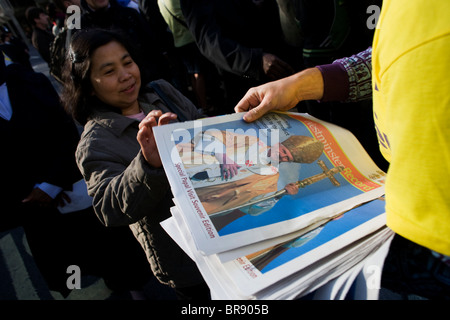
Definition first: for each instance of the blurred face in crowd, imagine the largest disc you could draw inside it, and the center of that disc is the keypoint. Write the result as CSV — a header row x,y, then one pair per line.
x,y
97,4
115,77
43,21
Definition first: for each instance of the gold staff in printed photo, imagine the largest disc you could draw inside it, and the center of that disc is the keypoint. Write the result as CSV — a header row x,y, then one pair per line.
x,y
327,173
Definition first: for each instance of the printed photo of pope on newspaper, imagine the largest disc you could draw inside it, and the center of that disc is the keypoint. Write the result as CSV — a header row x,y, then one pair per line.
x,y
241,176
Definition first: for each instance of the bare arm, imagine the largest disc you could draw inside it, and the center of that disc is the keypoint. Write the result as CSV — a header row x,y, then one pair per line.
x,y
282,95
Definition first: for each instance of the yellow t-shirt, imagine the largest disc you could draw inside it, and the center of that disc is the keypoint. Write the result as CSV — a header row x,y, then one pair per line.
x,y
411,95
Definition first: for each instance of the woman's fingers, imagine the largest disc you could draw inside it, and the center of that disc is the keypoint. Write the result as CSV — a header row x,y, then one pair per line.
x,y
166,118
149,121
156,117
146,138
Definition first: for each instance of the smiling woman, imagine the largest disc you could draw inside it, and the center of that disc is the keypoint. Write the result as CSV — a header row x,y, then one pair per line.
x,y
117,153
98,70
115,77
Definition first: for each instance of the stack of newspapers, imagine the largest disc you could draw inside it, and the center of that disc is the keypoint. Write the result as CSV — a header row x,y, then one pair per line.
x,y
284,207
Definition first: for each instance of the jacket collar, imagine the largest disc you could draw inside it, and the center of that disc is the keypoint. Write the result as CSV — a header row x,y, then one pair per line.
x,y
148,99
115,122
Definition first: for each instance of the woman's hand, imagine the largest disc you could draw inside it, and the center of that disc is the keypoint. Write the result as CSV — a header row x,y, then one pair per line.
x,y
146,138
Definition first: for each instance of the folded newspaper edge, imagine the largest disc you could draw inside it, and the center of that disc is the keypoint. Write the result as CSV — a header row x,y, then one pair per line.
x,y
331,267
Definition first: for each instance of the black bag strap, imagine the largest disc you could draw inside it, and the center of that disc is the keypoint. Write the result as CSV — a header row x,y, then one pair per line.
x,y
169,103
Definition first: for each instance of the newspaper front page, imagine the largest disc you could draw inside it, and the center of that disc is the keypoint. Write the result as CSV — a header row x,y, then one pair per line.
x,y
236,184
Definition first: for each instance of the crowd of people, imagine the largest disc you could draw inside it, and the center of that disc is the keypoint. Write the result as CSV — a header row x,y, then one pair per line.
x,y
131,67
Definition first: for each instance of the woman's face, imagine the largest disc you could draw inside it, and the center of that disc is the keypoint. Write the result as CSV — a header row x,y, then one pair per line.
x,y
115,77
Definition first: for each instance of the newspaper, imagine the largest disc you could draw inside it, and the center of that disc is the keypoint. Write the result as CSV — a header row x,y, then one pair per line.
x,y
290,172
325,261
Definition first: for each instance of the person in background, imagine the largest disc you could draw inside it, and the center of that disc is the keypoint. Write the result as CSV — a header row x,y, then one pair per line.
x,y
179,76
42,37
60,44
187,49
143,36
409,86
15,49
56,16
332,29
243,39
109,15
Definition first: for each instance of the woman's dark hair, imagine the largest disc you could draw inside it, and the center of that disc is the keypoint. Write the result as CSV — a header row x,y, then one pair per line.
x,y
77,95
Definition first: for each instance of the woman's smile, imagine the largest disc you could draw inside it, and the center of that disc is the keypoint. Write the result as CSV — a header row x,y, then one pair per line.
x,y
115,77
130,89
